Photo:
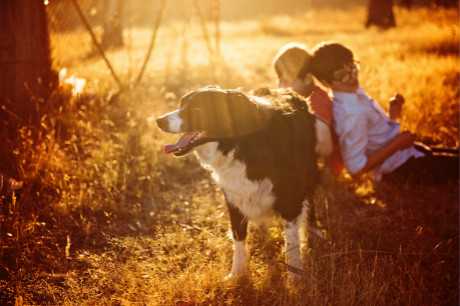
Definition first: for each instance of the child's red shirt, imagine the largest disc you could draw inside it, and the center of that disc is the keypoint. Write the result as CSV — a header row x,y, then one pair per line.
x,y
321,106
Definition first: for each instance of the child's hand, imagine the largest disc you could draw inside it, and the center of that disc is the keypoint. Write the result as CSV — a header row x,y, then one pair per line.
x,y
396,103
406,140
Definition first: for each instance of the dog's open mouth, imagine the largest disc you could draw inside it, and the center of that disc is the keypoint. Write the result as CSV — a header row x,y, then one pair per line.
x,y
186,143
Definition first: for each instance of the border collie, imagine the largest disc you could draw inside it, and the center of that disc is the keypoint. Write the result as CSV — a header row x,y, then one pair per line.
x,y
260,150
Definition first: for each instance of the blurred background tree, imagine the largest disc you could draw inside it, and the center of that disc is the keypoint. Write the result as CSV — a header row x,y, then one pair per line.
x,y
112,35
26,77
380,14
25,60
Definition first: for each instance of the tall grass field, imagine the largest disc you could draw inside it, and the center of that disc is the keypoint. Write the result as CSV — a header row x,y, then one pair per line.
x,y
106,218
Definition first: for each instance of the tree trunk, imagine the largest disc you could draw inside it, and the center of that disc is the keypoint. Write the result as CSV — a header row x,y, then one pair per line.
x,y
380,13
25,63
406,3
25,71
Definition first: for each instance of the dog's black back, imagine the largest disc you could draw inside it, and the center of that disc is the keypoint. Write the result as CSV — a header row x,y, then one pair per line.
x,y
283,151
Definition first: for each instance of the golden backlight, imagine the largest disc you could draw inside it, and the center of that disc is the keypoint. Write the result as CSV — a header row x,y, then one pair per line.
x,y
99,215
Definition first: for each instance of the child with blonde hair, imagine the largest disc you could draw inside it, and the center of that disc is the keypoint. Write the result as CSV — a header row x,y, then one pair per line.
x,y
291,64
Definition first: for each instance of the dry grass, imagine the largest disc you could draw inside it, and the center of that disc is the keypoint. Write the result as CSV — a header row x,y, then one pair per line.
x,y
107,219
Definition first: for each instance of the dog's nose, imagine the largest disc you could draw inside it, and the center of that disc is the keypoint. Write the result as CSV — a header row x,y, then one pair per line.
x,y
171,122
162,123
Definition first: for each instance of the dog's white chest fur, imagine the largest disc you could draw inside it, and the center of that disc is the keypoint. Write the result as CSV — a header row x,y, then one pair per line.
x,y
253,198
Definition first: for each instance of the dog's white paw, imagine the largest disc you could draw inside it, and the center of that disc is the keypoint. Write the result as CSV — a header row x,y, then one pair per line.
x,y
236,277
239,262
238,271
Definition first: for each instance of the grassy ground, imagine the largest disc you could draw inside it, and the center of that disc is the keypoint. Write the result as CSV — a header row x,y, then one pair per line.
x,y
107,219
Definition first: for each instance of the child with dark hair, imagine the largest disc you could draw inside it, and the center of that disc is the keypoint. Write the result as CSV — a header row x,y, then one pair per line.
x,y
370,140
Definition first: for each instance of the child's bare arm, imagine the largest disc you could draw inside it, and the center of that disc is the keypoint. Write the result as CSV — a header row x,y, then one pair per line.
x,y
400,142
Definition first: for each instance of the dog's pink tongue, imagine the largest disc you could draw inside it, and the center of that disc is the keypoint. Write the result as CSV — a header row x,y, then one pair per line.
x,y
181,143
169,148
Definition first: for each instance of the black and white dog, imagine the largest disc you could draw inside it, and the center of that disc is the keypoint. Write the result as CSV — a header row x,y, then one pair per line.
x,y
261,150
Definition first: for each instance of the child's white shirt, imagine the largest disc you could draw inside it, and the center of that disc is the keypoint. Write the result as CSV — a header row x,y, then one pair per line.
x,y
363,128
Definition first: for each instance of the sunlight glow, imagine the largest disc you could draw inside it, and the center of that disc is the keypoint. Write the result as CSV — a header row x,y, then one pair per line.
x,y
77,84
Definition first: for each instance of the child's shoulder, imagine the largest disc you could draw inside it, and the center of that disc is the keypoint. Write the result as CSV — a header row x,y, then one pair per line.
x,y
348,109
321,105
320,95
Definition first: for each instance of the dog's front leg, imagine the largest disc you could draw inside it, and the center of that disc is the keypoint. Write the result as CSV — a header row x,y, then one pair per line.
x,y
292,246
239,231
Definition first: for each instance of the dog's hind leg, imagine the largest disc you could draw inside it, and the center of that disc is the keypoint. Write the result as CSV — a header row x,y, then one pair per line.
x,y
292,247
239,226
313,225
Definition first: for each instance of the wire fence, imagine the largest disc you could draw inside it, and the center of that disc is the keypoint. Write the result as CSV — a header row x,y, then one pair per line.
x,y
111,30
